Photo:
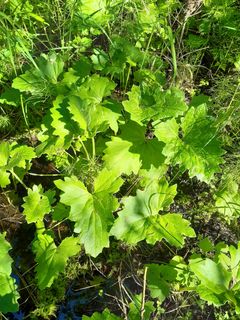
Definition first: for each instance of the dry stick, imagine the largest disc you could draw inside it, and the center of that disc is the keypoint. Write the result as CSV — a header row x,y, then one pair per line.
x,y
124,309
3,316
144,293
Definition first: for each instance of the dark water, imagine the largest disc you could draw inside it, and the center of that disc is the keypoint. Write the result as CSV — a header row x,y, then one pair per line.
x,y
77,302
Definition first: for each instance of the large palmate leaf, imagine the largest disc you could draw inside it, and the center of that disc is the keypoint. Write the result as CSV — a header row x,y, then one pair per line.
x,y
117,150
159,278
51,260
54,136
92,117
229,258
155,104
51,66
8,288
82,111
228,200
95,88
37,204
94,11
211,274
170,103
38,79
58,127
139,111
92,212
88,107
138,150
4,178
88,112
19,156
219,278
12,156
171,227
140,220
216,280
31,81
196,148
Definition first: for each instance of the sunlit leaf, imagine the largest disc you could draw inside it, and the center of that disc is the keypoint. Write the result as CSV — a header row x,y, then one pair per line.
x,y
196,148
51,260
8,288
92,212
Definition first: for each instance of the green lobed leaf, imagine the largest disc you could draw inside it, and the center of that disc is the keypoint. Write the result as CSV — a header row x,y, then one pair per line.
x,y
211,274
229,258
235,262
156,104
36,204
117,150
171,227
70,77
88,108
228,199
138,150
12,156
95,88
206,245
138,111
31,81
140,220
8,291
159,279
4,153
105,315
51,66
92,117
40,79
96,11
210,296
78,109
51,260
199,150
220,277
4,178
54,136
19,155
170,103
92,212
83,111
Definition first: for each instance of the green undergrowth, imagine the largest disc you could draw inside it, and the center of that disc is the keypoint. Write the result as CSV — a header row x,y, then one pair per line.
x,y
119,153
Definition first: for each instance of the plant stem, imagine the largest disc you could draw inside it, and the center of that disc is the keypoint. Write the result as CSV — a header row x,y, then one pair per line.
x,y
84,148
143,294
45,174
127,79
147,49
18,179
3,316
93,148
23,111
173,52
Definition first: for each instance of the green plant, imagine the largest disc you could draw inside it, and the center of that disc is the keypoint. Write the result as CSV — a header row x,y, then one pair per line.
x,y
119,149
8,294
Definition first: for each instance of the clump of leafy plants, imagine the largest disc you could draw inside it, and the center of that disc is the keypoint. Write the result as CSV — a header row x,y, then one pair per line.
x,y
118,155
